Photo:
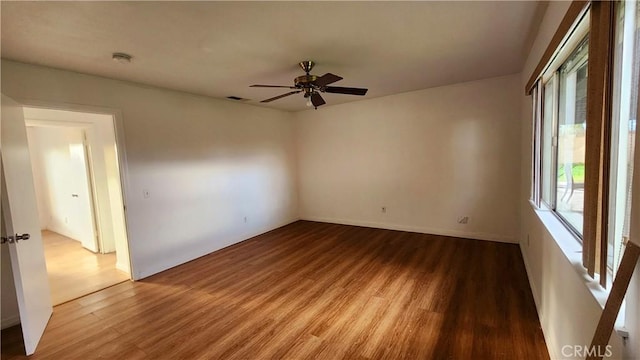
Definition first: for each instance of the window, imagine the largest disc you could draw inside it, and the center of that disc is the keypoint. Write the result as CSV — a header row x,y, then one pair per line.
x,y
572,121
547,140
623,129
585,118
564,121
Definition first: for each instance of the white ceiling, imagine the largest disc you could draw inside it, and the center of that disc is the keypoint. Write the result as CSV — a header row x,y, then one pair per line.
x,y
220,48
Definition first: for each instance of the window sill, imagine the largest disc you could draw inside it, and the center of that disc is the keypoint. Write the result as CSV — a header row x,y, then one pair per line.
x,y
572,250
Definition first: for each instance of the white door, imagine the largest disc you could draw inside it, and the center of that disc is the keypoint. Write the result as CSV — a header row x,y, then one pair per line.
x,y
82,206
20,216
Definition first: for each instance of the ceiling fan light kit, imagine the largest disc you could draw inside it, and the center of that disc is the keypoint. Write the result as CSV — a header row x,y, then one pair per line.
x,y
312,86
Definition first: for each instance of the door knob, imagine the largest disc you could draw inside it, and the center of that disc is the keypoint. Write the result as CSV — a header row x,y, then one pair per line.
x,y
8,239
11,239
22,237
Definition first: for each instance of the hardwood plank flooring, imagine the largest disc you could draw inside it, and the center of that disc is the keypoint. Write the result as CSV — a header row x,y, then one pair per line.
x,y
75,271
311,290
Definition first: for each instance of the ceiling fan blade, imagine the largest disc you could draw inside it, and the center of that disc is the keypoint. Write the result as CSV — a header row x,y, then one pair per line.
x,y
274,86
280,96
345,90
327,79
317,100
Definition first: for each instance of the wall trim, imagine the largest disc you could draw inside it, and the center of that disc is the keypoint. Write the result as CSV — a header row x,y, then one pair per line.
x,y
532,284
418,229
548,340
157,268
63,231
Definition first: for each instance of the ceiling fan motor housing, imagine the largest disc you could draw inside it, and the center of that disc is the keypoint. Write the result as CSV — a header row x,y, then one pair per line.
x,y
305,81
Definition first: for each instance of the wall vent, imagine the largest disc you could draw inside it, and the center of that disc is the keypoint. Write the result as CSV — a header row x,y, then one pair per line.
x,y
236,98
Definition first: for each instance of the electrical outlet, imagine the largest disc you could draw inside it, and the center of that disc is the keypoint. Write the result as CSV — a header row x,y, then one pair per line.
x,y
245,219
463,220
383,209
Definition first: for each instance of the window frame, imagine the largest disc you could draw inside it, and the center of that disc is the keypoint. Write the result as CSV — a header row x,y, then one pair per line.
x,y
577,37
600,20
554,141
556,129
625,64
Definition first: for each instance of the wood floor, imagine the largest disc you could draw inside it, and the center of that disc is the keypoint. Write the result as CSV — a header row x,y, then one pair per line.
x,y
75,271
312,290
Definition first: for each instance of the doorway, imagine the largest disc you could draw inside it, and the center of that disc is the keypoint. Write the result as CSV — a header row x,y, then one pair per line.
x,y
79,197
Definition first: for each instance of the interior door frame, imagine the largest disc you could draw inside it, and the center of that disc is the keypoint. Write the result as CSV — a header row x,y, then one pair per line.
x,y
88,169
118,124
93,194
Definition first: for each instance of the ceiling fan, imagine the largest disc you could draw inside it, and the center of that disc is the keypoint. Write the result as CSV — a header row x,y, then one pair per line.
x,y
313,85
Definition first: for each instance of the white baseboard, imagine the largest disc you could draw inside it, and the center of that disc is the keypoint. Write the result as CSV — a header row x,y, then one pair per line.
x,y
418,229
532,284
551,347
9,321
159,267
62,231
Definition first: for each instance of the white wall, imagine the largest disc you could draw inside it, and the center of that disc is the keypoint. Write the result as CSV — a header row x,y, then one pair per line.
x,y
206,163
567,309
62,184
40,183
428,156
